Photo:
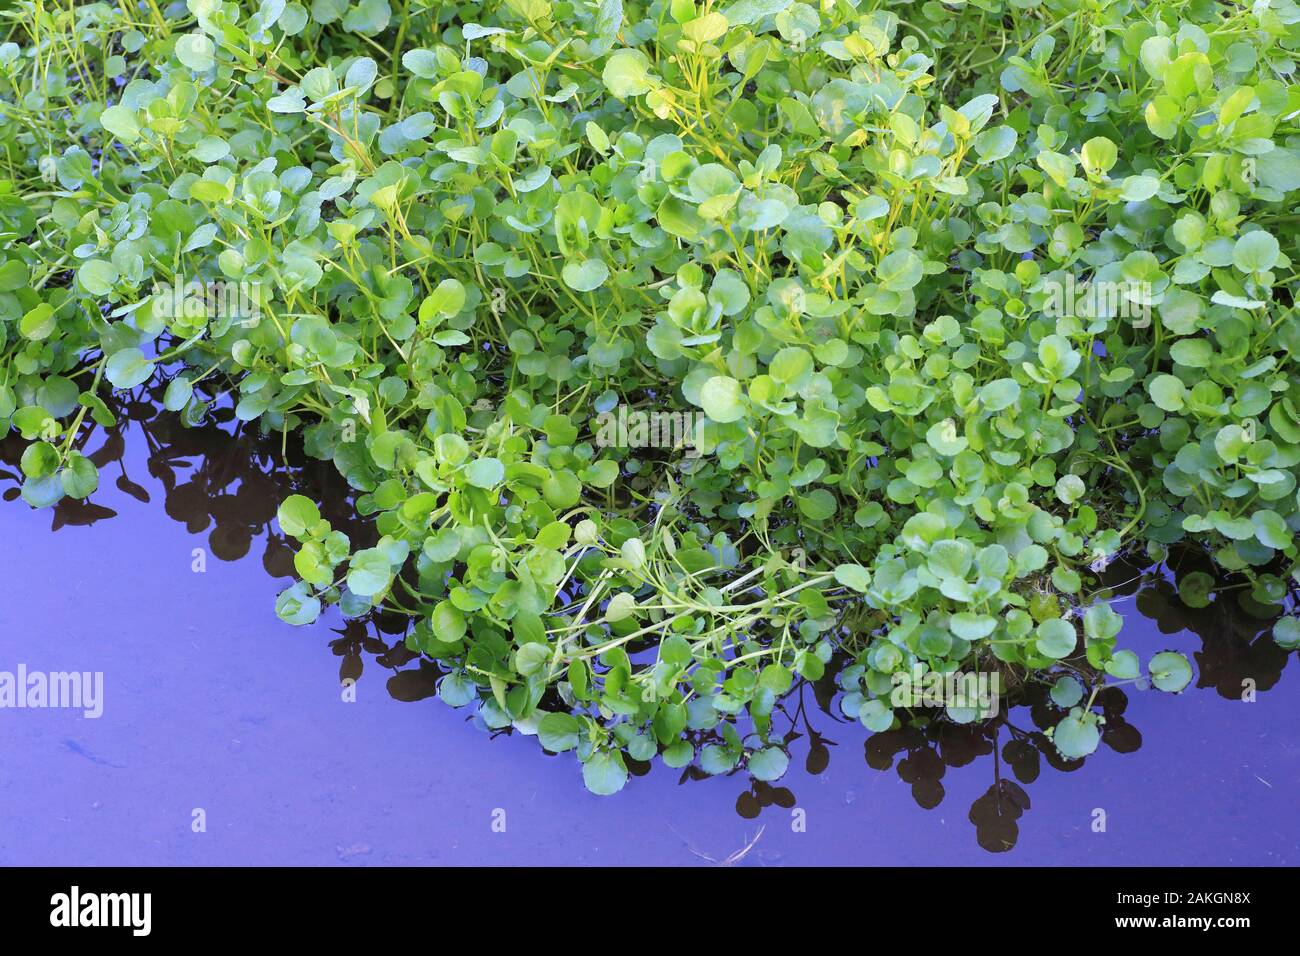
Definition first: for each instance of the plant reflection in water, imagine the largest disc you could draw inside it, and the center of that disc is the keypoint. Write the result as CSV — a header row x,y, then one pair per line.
x,y
223,480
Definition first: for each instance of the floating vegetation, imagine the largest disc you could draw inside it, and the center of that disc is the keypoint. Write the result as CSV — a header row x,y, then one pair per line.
x,y
933,318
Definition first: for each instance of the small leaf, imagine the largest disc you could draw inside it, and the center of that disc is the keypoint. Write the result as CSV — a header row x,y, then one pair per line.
x,y
297,514
559,732
627,74
585,276
1077,735
768,764
721,399
605,773
1170,671
853,576
196,51
485,472
369,572
1168,392
1056,638
128,368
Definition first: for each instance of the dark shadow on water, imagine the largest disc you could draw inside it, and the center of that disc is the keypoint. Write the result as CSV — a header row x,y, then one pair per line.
x,y
223,480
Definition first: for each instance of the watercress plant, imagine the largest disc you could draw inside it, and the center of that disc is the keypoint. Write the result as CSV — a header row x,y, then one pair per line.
x,y
961,299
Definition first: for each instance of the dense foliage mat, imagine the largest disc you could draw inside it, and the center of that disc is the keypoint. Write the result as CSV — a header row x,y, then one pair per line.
x,y
677,347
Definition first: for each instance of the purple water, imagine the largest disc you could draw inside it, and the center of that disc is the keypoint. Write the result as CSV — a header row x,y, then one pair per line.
x,y
212,704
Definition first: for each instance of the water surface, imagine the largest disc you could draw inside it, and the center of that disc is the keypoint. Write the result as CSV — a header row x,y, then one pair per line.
x,y
213,705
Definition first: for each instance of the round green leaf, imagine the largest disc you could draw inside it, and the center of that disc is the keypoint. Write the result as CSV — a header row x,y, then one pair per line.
x,y
1067,692
38,323
1256,251
196,51
297,514
1056,638
97,276
585,276
605,773
1168,392
485,472
1170,671
853,576
768,764
1286,633
1077,735
128,368
627,74
721,399
559,732
369,572
297,605
80,477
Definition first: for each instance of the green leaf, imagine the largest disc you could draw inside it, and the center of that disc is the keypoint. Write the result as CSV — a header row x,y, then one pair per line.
x,y
297,514
1170,671
744,12
853,576
559,732
423,63
485,472
97,277
369,572
1077,735
716,760
290,101
43,492
679,218
627,74
128,368
1066,692
768,764
1098,155
297,605
1168,392
876,716
1194,353
195,51
532,659
1056,638
817,505
328,11
1124,666
621,606
446,300
1256,251
972,627
605,773
447,622
179,392
1070,488
900,270
1286,633
721,399
39,460
995,143
367,17
38,323
999,394
1272,530
121,122
1101,623
456,690
586,276
1139,188
792,365
1195,589
80,477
